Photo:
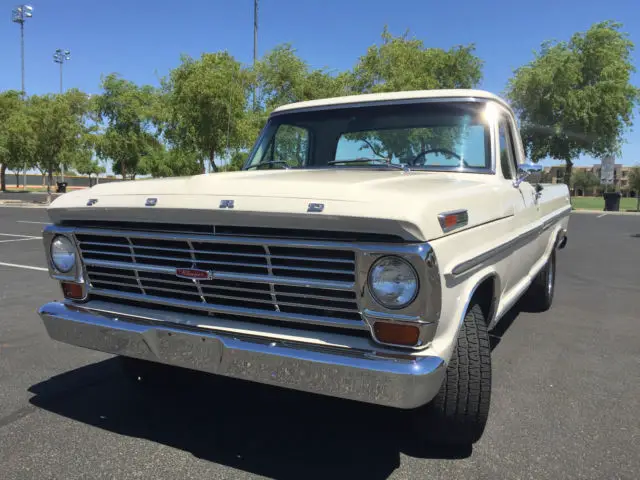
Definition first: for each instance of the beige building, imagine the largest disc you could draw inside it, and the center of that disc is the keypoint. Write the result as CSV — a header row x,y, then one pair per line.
x,y
621,172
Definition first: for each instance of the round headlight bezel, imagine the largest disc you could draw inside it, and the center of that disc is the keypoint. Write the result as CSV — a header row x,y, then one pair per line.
x,y
372,290
71,252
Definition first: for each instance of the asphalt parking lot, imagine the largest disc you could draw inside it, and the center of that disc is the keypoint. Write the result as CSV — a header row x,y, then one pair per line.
x,y
566,395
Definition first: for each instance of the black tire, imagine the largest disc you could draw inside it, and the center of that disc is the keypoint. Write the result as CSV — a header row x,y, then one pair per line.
x,y
539,296
458,414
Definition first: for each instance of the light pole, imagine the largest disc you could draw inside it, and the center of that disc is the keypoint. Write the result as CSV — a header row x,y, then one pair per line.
x,y
60,56
19,15
255,45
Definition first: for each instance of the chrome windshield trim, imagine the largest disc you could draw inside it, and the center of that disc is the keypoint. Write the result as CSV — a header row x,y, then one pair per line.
x,y
489,170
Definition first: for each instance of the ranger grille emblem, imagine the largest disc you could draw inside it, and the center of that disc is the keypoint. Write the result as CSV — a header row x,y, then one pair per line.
x,y
194,274
226,203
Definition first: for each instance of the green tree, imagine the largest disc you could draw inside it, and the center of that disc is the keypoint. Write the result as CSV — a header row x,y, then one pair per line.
x,y
85,164
634,184
402,63
205,103
237,161
17,138
575,97
583,180
174,162
58,125
128,111
283,78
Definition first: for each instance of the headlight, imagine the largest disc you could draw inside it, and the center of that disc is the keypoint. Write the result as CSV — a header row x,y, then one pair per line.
x,y
393,282
63,254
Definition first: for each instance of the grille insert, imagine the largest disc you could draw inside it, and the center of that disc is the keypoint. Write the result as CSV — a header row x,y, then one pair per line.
x,y
293,283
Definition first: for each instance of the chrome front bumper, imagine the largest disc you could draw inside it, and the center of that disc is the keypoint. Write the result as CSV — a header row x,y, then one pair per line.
x,y
401,381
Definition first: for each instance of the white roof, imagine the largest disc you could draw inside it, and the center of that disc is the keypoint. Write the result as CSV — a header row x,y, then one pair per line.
x,y
390,97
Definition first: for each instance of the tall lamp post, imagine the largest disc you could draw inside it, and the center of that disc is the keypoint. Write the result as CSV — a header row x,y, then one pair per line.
x,y
60,57
19,15
255,45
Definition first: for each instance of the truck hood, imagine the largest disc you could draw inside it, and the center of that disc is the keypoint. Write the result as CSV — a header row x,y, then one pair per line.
x,y
368,201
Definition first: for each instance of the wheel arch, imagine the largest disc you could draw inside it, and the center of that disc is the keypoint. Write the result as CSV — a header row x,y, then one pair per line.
x,y
486,294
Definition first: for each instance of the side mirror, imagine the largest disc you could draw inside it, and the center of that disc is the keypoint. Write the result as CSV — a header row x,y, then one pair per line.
x,y
531,171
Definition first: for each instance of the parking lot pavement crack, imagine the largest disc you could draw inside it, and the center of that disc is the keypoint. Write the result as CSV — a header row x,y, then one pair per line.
x,y
17,415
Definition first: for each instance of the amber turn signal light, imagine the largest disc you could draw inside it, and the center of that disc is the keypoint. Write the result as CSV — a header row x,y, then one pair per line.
x,y
450,221
72,290
397,333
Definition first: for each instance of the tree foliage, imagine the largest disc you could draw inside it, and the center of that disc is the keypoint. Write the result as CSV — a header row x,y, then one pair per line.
x,y
634,184
128,111
402,63
283,78
17,138
205,104
172,162
583,180
575,97
58,125
237,161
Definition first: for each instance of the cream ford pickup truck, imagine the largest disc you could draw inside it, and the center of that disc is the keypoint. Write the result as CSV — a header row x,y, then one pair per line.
x,y
364,252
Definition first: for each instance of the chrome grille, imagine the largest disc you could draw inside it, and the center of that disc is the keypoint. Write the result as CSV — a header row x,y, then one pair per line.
x,y
278,280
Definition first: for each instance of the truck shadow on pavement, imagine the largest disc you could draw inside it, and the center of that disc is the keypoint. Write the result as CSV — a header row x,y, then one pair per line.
x,y
495,335
260,429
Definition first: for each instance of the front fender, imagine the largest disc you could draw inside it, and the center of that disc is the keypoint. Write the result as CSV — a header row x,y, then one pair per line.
x,y
456,300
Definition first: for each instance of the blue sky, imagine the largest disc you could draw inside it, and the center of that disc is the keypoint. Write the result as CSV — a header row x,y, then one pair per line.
x,y
143,39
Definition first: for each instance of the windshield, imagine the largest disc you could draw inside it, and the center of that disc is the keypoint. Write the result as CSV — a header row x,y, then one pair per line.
x,y
422,136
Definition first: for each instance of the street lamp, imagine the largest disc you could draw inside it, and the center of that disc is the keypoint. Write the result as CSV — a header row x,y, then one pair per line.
x,y
255,45
19,15
60,57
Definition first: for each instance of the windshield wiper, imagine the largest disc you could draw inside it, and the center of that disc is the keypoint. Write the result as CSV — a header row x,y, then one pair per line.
x,y
270,162
374,161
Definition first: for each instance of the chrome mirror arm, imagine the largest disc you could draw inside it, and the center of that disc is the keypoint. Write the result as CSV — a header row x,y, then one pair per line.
x,y
524,170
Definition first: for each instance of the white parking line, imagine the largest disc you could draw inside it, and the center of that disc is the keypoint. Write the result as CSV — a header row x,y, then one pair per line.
x,y
14,235
19,239
26,267
27,221
602,215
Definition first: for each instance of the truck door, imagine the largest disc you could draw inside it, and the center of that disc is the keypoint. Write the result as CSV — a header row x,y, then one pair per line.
x,y
523,201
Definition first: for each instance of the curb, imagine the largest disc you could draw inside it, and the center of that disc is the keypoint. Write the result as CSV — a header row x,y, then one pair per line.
x,y
19,204
579,210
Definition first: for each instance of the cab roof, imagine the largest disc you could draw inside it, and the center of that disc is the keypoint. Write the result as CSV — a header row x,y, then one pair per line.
x,y
391,97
